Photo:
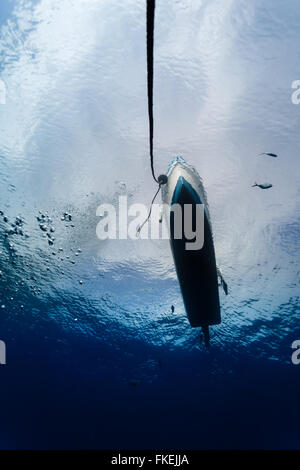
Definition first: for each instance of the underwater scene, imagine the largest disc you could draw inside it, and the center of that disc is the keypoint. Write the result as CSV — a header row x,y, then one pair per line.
x,y
96,347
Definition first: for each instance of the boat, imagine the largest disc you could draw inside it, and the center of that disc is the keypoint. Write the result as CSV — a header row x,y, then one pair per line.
x,y
196,268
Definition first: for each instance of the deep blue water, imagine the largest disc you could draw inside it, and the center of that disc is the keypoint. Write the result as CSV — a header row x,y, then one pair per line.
x,y
64,391
104,363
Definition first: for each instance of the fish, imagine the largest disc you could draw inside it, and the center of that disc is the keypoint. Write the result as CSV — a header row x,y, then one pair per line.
x,y
225,286
223,283
263,185
269,154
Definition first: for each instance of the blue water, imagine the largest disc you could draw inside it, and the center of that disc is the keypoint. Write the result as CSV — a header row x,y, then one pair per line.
x,y
104,363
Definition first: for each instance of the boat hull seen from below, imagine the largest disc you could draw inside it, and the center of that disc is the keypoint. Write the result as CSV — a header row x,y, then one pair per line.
x,y
196,268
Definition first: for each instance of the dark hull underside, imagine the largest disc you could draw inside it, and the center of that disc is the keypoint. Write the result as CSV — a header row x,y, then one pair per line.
x,y
196,269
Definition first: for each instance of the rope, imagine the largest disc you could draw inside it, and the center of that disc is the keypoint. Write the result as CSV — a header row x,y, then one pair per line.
x,y
162,179
149,214
150,45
